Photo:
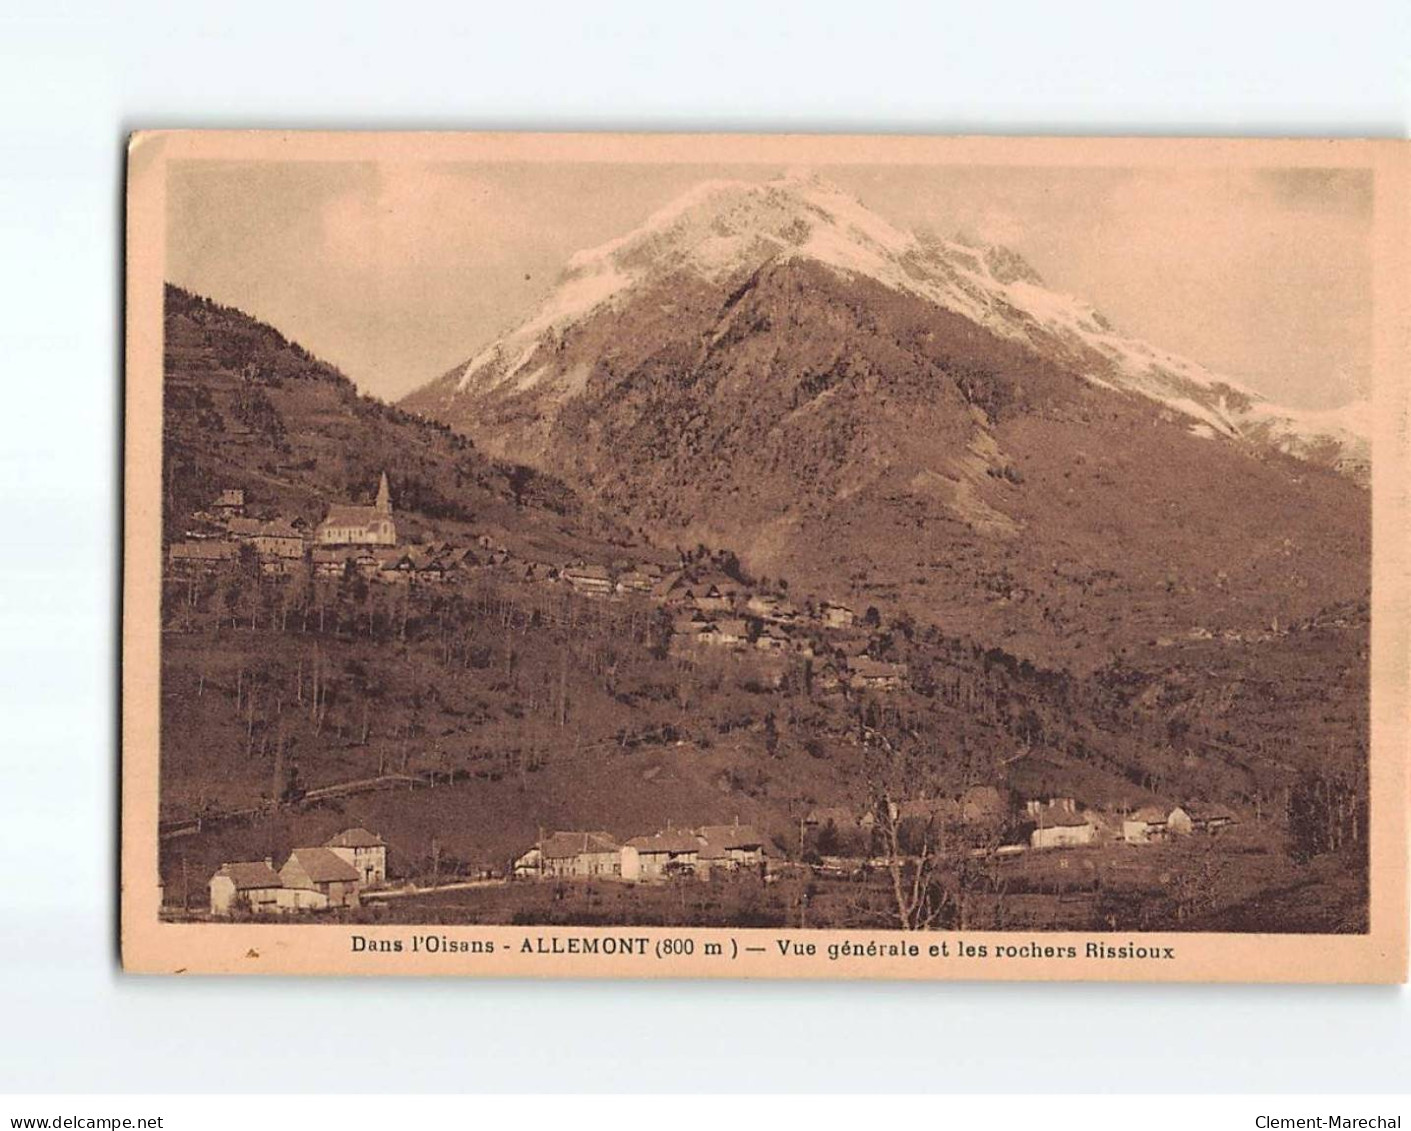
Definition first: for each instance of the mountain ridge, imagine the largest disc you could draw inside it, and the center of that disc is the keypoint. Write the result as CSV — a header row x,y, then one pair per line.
x,y
721,229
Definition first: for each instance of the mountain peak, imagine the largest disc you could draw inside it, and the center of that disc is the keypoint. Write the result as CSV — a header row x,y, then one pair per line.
x,y
724,230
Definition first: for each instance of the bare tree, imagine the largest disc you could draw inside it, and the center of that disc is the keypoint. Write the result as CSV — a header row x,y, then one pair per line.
x,y
913,848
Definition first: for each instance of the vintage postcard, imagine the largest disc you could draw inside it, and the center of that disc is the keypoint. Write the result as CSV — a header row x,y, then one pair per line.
x,y
750,556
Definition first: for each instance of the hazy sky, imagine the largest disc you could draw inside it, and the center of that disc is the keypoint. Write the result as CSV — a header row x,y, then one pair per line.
x,y
397,273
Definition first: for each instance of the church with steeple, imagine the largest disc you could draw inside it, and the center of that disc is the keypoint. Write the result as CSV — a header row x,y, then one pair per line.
x,y
352,525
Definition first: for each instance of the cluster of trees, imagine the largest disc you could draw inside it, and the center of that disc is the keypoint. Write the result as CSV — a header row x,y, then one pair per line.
x,y
1327,812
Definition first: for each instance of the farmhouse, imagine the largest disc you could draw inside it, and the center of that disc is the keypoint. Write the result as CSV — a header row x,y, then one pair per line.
x,y
350,525
394,567
188,559
1210,818
876,674
580,855
365,851
590,580
732,633
1178,821
249,885
328,563
457,561
634,581
1061,826
660,855
710,599
230,503
734,846
1146,825
316,878
670,588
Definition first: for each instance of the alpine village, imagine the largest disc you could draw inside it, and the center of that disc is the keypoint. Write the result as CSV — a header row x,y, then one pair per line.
x,y
764,590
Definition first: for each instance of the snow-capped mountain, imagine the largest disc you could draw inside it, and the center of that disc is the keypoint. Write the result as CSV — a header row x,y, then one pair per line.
x,y
724,230
916,422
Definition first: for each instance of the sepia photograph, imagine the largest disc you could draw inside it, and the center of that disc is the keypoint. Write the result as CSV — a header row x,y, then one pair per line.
x,y
798,550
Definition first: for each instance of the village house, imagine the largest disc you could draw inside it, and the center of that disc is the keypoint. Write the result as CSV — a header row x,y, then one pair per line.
x,y
317,878
634,581
1200,817
686,631
428,571
245,886
329,563
273,538
1178,821
706,633
670,588
351,525
365,851
528,866
731,633
580,855
590,580
1060,825
230,503
1146,825
457,561
279,538
877,675
660,856
394,567
732,846
279,544
710,599
190,559
836,616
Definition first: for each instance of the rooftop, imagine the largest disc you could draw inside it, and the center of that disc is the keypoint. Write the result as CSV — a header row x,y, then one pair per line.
x,y
248,875
323,866
561,846
356,838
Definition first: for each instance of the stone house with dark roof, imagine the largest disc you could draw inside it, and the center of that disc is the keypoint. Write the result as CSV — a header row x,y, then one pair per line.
x,y
318,878
580,855
252,886
661,855
188,559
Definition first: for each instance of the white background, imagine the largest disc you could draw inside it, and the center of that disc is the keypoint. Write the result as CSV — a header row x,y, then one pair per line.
x,y
74,78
